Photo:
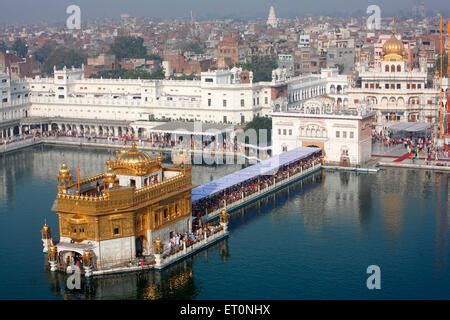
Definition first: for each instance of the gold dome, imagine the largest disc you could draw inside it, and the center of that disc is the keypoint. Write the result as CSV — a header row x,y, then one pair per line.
x,y
393,49
135,157
133,162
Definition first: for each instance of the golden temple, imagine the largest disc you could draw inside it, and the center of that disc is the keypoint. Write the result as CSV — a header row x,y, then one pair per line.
x,y
128,216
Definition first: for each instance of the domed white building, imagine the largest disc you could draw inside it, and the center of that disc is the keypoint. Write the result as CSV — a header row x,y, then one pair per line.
x,y
397,92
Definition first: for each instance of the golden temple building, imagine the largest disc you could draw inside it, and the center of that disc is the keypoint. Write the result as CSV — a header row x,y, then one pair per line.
x,y
113,219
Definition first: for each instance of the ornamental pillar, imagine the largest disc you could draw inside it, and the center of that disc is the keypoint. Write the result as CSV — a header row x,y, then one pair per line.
x,y
53,258
224,220
88,263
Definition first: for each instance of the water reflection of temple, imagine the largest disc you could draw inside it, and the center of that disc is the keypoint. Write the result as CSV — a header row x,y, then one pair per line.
x,y
175,282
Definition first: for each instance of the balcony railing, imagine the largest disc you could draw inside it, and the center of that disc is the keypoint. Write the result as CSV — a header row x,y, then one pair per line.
x,y
120,198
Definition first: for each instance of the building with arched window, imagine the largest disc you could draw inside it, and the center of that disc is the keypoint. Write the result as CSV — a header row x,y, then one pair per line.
x,y
343,135
397,91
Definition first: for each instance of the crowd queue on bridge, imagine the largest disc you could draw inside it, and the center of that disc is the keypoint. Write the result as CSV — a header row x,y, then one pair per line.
x,y
253,185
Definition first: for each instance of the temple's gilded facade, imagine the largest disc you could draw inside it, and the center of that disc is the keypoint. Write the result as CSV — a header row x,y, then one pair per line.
x,y
117,216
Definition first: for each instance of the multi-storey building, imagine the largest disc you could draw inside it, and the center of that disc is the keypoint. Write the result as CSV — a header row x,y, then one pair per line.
x,y
221,96
218,97
344,136
397,92
14,105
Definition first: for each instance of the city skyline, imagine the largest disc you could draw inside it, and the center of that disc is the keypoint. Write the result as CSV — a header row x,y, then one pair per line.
x,y
52,11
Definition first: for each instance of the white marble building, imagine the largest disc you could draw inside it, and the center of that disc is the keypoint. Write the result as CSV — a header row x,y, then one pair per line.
x,y
112,107
14,105
345,136
397,93
218,97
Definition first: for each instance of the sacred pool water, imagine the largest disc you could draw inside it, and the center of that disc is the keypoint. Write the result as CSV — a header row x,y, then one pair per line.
x,y
312,240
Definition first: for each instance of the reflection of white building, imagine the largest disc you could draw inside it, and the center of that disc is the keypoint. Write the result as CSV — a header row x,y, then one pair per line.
x,y
396,92
345,136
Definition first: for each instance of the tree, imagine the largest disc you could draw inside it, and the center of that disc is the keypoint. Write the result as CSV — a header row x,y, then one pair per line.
x,y
3,46
340,67
20,47
195,47
64,57
262,67
191,76
128,47
130,74
437,66
261,123
155,57
41,54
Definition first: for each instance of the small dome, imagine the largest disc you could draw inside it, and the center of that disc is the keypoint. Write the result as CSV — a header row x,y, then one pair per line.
x,y
64,169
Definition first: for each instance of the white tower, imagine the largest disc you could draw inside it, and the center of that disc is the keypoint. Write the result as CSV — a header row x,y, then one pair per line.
x,y
272,21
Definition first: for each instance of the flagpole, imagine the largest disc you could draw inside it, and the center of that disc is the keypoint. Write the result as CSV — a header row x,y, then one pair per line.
x,y
441,101
78,181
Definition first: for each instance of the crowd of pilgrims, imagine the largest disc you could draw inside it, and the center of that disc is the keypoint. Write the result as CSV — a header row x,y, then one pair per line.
x,y
177,241
158,140
417,146
251,186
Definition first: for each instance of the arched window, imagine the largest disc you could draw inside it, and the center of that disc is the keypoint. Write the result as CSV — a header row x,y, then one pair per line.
x,y
399,68
386,68
392,68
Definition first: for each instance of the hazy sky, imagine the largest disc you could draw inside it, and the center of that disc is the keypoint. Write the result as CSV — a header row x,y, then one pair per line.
x,y
54,10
